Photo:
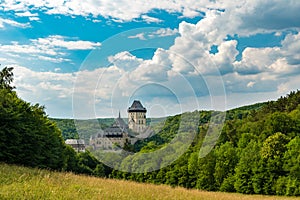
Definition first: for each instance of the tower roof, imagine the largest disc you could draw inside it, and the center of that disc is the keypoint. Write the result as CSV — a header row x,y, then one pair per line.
x,y
136,107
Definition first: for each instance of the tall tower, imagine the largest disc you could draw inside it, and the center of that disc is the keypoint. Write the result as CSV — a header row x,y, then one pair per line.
x,y
137,117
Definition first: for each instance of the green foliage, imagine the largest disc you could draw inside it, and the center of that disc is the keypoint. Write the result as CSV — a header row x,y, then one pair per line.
x,y
6,78
258,151
245,169
205,179
28,137
292,158
226,160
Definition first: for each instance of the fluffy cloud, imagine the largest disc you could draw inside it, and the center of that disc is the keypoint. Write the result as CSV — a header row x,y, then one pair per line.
x,y
256,60
163,32
46,88
124,10
125,60
68,94
87,94
63,42
279,61
240,16
52,48
188,63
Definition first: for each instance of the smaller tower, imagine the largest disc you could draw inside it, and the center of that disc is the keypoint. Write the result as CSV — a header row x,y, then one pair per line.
x,y
137,117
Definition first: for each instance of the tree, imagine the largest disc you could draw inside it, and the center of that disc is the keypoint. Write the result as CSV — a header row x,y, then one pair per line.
x,y
272,153
226,160
244,170
292,158
205,179
6,78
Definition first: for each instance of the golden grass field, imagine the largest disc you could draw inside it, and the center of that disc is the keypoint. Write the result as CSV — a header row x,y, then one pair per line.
x,y
26,183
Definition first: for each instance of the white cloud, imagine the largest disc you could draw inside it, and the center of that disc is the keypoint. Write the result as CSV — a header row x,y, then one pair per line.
x,y
291,48
52,48
162,32
60,41
15,47
279,61
125,10
34,19
257,60
140,36
125,60
54,60
13,23
149,19
261,70
26,14
54,90
250,84
245,17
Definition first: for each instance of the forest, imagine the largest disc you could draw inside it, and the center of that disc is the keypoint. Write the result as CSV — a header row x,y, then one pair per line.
x,y
258,151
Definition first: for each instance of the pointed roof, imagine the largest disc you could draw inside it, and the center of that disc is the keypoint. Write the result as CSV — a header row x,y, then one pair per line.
x,y
120,123
136,107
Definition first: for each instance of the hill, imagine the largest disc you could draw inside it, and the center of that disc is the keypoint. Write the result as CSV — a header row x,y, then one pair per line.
x,y
257,151
28,183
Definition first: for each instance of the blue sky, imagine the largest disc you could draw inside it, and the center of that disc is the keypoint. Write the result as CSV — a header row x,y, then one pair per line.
x,y
93,58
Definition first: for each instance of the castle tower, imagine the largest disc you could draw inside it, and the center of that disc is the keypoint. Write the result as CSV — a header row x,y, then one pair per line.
x,y
137,117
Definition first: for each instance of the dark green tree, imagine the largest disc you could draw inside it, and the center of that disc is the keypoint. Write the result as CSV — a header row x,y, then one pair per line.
x,y
6,78
244,170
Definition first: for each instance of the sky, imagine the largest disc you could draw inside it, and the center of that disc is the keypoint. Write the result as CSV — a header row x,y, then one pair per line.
x,y
87,59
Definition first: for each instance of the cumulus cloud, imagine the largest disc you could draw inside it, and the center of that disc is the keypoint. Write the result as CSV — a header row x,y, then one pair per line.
x,y
259,70
264,70
280,61
46,88
125,60
256,60
59,91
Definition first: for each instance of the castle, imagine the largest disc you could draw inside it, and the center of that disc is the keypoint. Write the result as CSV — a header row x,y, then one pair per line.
x,y
137,117
120,133
77,144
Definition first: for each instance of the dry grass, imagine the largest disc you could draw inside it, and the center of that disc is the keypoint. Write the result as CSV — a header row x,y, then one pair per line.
x,y
25,183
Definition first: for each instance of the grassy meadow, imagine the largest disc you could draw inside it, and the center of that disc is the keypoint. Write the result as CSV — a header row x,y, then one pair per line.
x,y
27,183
